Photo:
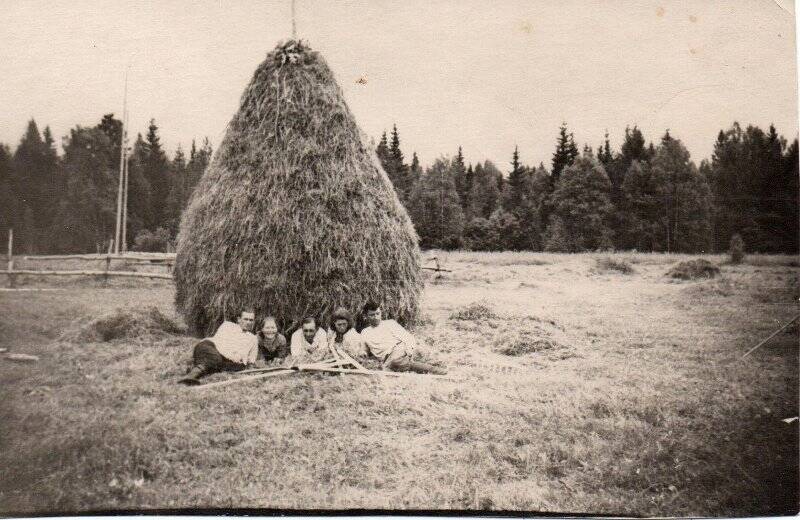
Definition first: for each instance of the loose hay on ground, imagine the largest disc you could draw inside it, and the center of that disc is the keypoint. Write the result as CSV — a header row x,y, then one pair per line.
x,y
122,323
694,269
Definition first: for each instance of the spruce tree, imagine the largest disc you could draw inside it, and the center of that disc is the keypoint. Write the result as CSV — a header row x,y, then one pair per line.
x,y
515,187
396,167
156,171
140,205
382,151
565,154
463,186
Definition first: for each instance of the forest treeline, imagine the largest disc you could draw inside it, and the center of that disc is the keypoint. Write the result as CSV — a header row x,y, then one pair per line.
x,y
644,196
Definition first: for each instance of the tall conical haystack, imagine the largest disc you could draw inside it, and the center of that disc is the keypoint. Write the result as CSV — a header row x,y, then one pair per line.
x,y
294,216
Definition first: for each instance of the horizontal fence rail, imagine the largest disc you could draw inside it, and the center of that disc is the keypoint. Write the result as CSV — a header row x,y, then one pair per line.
x,y
155,259
132,274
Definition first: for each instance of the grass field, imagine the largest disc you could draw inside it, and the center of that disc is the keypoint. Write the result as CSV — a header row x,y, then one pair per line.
x,y
581,388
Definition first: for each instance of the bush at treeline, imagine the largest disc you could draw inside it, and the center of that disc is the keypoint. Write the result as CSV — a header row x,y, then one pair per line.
x,y
643,196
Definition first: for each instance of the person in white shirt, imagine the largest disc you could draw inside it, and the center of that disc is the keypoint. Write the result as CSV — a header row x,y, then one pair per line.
x,y
393,345
231,348
309,343
343,336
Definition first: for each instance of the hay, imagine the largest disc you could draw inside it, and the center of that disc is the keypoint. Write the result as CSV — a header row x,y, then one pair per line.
x,y
473,312
122,323
294,215
693,269
521,342
608,264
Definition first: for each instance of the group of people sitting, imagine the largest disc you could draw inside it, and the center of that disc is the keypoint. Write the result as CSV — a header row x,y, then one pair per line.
x,y
234,347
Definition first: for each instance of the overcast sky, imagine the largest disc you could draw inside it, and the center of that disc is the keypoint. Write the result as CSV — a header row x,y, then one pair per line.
x,y
485,75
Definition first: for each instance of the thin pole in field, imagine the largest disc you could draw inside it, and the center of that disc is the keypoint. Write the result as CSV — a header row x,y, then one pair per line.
x,y
10,256
124,241
294,25
118,231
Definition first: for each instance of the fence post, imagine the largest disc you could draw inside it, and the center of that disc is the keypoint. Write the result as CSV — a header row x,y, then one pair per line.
x,y
108,262
11,257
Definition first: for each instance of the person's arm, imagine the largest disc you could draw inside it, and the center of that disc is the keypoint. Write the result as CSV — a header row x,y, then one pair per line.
x,y
296,348
404,336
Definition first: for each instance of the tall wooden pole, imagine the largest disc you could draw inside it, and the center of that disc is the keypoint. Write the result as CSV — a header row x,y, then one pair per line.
x,y
118,231
294,26
10,256
124,243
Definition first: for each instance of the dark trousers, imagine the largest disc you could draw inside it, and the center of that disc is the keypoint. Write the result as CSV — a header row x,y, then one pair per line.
x,y
207,357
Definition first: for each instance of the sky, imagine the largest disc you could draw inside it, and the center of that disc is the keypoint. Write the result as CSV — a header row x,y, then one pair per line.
x,y
483,75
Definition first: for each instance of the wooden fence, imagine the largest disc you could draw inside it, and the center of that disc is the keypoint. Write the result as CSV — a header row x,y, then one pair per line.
x,y
162,259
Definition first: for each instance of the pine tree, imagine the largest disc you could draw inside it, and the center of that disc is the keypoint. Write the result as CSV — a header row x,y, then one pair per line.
x,y
435,209
565,154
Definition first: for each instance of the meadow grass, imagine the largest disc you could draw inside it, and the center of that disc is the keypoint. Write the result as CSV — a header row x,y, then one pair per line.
x,y
578,392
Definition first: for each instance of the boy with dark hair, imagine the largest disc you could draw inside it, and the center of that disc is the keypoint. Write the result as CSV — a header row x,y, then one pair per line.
x,y
388,341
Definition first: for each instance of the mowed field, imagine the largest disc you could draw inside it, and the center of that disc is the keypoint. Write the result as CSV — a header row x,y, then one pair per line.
x,y
576,388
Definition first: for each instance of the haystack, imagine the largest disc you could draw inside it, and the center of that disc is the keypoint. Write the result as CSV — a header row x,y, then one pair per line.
x,y
294,216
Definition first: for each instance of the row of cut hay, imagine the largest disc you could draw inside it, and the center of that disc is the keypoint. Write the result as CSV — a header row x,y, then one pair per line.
x,y
294,216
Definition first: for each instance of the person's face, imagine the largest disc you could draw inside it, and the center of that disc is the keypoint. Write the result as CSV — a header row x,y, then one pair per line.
x,y
309,331
341,325
374,317
246,321
269,329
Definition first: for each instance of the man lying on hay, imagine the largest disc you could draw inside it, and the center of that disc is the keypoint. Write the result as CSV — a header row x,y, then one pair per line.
x,y
231,348
388,341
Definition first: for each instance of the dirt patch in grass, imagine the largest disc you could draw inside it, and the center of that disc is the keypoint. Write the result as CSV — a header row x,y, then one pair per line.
x,y
123,323
693,270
